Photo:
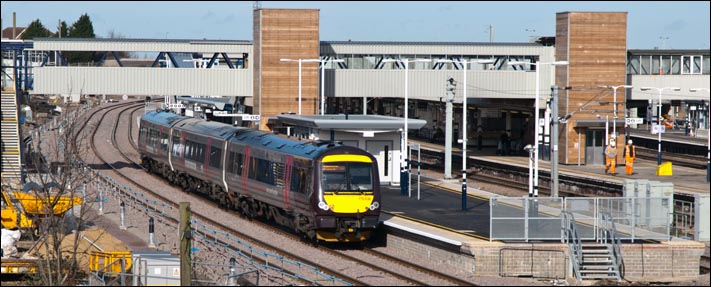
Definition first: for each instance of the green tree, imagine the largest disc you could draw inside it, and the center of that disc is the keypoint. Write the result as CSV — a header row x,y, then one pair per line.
x,y
62,30
35,30
82,28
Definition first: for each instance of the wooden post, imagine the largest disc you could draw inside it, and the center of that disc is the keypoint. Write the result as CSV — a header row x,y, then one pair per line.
x,y
185,236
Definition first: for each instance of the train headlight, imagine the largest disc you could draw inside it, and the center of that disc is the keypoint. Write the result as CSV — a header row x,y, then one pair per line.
x,y
374,205
323,205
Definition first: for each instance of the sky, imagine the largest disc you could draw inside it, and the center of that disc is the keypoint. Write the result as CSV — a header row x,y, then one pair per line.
x,y
650,24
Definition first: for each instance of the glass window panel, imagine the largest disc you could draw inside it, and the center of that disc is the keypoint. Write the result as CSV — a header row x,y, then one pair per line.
x,y
369,62
633,66
655,65
685,65
676,66
645,65
666,65
705,68
696,65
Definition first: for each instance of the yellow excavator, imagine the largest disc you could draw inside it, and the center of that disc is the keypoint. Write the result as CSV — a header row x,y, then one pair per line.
x,y
23,210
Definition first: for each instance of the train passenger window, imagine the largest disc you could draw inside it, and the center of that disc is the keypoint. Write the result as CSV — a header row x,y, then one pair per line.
x,y
154,137
298,180
234,163
252,168
142,133
164,142
188,150
265,173
201,152
177,146
215,157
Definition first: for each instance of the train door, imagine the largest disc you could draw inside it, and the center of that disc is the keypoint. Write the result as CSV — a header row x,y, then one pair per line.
x,y
594,146
382,151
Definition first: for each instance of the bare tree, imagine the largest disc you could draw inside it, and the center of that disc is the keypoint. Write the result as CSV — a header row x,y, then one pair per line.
x,y
60,177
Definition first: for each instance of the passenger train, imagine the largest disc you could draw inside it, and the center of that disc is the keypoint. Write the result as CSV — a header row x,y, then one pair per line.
x,y
324,190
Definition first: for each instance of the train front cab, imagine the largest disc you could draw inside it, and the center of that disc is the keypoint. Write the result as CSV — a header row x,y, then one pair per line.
x,y
348,199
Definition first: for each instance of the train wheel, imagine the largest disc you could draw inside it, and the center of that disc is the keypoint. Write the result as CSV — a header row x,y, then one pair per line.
x,y
246,209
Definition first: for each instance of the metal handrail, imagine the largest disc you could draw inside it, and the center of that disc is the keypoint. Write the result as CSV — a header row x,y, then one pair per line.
x,y
610,233
571,238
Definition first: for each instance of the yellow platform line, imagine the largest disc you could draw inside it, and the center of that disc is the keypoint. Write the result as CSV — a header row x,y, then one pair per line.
x,y
441,227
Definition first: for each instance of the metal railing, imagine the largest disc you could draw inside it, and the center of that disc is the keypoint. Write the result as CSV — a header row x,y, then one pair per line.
x,y
571,238
609,231
525,218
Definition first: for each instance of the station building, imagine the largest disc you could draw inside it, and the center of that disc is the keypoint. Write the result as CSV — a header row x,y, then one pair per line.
x,y
286,68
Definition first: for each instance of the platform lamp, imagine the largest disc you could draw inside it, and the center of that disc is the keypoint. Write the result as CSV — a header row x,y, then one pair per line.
x,y
614,101
708,138
659,119
404,175
536,112
464,122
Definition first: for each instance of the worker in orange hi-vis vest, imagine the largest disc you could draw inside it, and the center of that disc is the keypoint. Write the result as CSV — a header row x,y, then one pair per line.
x,y
630,154
611,157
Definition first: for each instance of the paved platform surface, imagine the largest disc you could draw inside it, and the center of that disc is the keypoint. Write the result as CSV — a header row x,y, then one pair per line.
x,y
686,180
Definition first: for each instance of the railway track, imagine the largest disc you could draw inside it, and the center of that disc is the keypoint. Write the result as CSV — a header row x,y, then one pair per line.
x,y
692,161
125,151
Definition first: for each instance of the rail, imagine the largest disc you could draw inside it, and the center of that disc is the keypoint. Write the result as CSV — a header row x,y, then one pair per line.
x,y
571,238
609,233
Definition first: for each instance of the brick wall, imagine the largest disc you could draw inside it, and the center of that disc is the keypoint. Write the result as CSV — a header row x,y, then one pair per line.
x,y
537,260
443,257
642,261
664,260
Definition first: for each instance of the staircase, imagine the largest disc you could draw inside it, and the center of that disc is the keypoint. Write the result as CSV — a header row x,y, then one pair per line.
x,y
593,261
11,165
598,262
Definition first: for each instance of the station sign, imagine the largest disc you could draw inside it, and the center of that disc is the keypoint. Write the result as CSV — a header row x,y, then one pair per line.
x,y
175,106
658,129
631,121
245,117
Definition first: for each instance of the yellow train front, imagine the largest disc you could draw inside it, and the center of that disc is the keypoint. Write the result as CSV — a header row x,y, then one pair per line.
x,y
346,201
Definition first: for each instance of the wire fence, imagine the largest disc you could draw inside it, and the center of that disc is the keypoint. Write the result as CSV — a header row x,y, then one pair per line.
x,y
278,269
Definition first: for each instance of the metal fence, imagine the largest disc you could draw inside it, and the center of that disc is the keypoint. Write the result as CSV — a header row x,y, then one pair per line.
x,y
526,218
280,270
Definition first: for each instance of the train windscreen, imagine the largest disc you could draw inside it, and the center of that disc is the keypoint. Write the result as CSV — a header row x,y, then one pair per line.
x,y
347,176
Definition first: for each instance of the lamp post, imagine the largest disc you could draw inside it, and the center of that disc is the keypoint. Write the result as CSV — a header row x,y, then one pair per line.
x,y
614,101
464,123
708,138
536,125
659,119
300,61
403,145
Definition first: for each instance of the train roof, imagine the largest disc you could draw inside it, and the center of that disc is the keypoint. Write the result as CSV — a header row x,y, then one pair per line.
x,y
251,137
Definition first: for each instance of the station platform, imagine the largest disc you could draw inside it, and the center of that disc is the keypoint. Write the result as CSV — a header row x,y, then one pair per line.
x,y
685,179
677,136
434,226
439,207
